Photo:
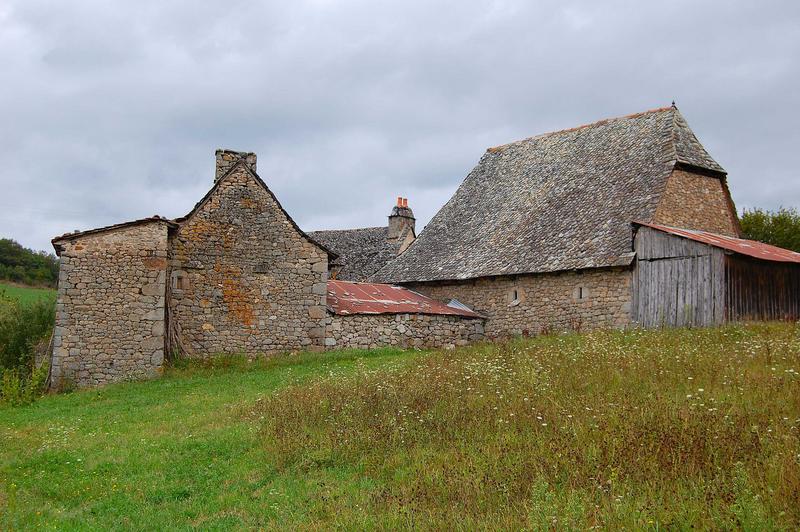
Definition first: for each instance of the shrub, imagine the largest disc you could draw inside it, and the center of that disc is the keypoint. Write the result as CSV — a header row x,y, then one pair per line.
x,y
22,328
17,387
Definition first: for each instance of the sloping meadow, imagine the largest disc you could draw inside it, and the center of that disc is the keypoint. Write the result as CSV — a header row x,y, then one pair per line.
x,y
638,429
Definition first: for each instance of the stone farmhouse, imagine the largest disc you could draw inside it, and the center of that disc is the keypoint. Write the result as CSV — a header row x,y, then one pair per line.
x,y
618,223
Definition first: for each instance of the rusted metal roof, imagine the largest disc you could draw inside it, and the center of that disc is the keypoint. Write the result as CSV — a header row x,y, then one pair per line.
x,y
347,298
751,248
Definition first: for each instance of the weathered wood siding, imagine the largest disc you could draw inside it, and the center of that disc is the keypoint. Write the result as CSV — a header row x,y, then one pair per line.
x,y
761,290
677,282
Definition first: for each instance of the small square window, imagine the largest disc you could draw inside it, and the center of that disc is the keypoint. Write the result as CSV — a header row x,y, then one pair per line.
x,y
179,280
581,293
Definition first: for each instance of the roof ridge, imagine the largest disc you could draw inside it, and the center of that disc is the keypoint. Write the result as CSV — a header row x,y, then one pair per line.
x,y
351,229
242,162
583,126
673,136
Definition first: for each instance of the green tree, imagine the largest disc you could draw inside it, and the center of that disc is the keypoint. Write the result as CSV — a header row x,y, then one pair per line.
x,y
26,266
780,228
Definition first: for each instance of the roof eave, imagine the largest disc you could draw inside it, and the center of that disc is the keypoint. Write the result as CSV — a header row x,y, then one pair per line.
x,y
67,237
703,170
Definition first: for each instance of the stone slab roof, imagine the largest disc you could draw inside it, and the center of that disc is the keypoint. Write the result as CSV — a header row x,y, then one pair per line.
x,y
558,201
361,252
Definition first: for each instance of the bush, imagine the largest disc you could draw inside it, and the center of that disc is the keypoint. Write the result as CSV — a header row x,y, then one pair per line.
x,y
20,388
22,328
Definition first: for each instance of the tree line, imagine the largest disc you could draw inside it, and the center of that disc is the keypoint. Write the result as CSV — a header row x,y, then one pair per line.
x,y
780,228
26,266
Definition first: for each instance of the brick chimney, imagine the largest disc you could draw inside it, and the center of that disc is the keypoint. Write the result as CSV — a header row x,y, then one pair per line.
x,y
227,158
401,221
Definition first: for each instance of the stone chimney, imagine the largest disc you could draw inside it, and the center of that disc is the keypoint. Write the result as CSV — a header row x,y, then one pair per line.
x,y
401,221
227,158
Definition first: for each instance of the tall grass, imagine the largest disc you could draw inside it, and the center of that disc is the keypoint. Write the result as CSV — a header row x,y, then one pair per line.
x,y
638,429
24,328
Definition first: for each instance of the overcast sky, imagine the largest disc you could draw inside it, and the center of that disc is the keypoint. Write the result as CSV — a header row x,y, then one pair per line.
x,y
113,112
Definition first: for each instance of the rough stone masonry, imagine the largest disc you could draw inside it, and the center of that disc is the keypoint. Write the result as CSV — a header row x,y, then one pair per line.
x,y
235,275
110,311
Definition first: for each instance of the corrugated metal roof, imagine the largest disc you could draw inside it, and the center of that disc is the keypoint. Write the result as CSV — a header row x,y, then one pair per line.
x,y
346,298
751,248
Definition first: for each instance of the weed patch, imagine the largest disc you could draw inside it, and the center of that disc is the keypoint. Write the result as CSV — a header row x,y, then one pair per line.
x,y
627,429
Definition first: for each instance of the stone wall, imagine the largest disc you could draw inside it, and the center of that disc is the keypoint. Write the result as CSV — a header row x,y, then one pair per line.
x,y
696,201
243,278
535,303
110,308
368,331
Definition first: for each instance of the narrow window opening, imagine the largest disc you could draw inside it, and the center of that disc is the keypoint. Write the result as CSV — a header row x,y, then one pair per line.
x,y
581,293
515,296
179,280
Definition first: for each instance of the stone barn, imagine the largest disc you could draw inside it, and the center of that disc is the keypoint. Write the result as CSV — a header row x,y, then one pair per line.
x,y
623,222
539,236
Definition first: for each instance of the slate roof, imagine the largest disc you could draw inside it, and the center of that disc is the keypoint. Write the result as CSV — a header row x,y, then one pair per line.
x,y
558,201
361,252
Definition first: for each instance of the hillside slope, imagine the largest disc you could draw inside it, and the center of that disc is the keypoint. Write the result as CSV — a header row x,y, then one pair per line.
x,y
26,294
634,429
22,265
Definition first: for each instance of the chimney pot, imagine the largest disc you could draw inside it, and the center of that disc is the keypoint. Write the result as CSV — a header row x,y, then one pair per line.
x,y
400,220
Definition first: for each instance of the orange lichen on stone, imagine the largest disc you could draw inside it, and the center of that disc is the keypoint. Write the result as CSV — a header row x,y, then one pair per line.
x,y
155,263
235,295
200,230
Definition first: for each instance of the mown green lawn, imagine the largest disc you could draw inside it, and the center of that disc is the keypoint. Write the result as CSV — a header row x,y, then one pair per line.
x,y
637,430
27,294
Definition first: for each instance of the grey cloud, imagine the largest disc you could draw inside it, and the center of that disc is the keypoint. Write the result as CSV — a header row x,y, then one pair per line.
x,y
112,112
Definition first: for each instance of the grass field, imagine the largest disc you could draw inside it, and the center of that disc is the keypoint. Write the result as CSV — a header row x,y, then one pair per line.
x,y
26,294
636,429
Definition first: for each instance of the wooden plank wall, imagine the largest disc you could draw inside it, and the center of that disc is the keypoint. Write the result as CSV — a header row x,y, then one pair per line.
x,y
761,290
677,282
